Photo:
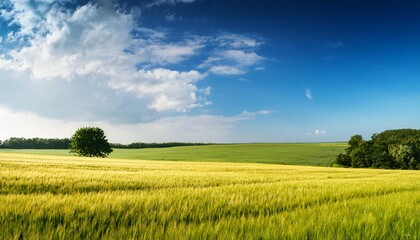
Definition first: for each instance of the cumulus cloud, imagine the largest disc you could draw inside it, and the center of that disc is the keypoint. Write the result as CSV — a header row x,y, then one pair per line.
x,y
63,68
95,48
169,89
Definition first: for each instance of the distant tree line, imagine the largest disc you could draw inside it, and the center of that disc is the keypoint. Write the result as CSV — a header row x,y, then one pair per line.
x,y
392,149
155,145
35,143
56,143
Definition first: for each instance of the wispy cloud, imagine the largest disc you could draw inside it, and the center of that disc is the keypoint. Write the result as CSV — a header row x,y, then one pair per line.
x,y
237,41
154,3
148,33
244,79
236,54
241,57
246,114
226,70
308,94
231,62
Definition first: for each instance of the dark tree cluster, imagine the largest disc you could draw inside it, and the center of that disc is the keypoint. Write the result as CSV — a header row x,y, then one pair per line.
x,y
90,142
392,149
35,143
155,145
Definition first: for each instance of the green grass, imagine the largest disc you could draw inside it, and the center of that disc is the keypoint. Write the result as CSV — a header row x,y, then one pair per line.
x,y
61,197
312,154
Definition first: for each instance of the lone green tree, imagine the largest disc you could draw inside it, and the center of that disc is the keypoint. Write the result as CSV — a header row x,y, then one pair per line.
x,y
90,142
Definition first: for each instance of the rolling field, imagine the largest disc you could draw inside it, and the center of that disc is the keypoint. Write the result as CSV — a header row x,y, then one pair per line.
x,y
310,154
62,197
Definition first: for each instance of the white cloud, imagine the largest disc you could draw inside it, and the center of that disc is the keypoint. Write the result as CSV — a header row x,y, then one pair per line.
x,y
226,70
75,42
148,33
94,65
22,14
246,114
308,94
170,90
317,132
170,2
231,62
206,91
94,46
169,53
241,57
235,55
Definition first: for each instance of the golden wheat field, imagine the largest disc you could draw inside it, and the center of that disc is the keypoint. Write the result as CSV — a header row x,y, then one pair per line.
x,y
61,197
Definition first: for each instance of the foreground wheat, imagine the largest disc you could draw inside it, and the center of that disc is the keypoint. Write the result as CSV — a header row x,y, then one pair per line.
x,y
81,198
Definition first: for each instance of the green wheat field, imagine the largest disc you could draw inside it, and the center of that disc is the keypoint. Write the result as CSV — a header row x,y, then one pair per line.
x,y
310,154
210,196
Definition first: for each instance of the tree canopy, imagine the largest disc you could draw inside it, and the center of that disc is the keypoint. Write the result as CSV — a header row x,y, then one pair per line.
x,y
90,142
393,149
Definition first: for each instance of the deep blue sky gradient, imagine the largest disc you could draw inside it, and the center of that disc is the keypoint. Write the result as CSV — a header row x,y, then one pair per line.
x,y
360,59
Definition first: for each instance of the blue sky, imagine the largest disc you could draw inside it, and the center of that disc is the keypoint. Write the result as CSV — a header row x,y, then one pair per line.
x,y
209,71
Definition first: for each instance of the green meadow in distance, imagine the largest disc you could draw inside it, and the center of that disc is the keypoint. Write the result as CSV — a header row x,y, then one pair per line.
x,y
310,154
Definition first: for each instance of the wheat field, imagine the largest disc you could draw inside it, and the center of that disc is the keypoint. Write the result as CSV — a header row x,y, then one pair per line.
x,y
62,197
308,154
